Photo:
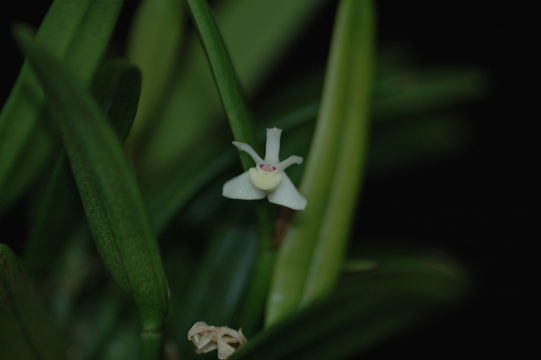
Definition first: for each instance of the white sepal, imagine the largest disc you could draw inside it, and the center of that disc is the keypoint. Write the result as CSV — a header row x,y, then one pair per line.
x,y
287,195
241,187
272,150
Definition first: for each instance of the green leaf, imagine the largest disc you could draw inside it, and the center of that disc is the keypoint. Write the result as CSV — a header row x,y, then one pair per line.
x,y
116,87
310,258
76,31
364,310
107,186
153,46
27,331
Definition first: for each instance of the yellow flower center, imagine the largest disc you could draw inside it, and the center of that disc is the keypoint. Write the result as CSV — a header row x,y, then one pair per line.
x,y
265,177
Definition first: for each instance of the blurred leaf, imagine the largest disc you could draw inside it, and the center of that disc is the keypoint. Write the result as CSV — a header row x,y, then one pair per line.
x,y
49,230
153,46
121,345
109,192
220,280
309,260
196,171
76,31
69,273
363,310
116,88
101,317
192,106
402,144
27,331
416,91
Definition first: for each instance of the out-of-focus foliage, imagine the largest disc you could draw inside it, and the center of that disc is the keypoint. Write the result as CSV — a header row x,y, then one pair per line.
x,y
218,254
27,331
76,31
113,205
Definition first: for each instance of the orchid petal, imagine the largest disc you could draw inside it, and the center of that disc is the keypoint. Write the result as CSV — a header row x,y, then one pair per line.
x,y
272,150
293,159
287,195
205,340
236,336
224,349
210,347
197,328
249,150
241,187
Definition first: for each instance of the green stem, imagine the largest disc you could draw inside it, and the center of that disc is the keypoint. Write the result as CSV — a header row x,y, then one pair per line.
x,y
227,82
150,346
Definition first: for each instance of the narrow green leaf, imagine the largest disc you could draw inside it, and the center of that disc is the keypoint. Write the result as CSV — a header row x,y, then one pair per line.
x,y
310,258
116,88
26,331
76,31
363,310
353,105
107,186
153,46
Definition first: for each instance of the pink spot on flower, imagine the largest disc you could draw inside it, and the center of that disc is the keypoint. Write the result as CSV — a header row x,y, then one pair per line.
x,y
267,167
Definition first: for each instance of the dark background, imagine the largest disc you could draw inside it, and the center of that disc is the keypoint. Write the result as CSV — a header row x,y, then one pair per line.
x,y
481,206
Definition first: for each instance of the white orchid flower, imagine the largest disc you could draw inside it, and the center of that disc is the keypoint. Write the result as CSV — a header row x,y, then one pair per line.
x,y
267,178
208,338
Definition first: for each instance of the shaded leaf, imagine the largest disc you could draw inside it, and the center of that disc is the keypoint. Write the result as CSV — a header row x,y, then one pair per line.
x,y
116,88
364,309
76,31
107,186
27,331
153,46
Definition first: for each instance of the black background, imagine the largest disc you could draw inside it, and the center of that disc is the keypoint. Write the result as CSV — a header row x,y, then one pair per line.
x,y
481,207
